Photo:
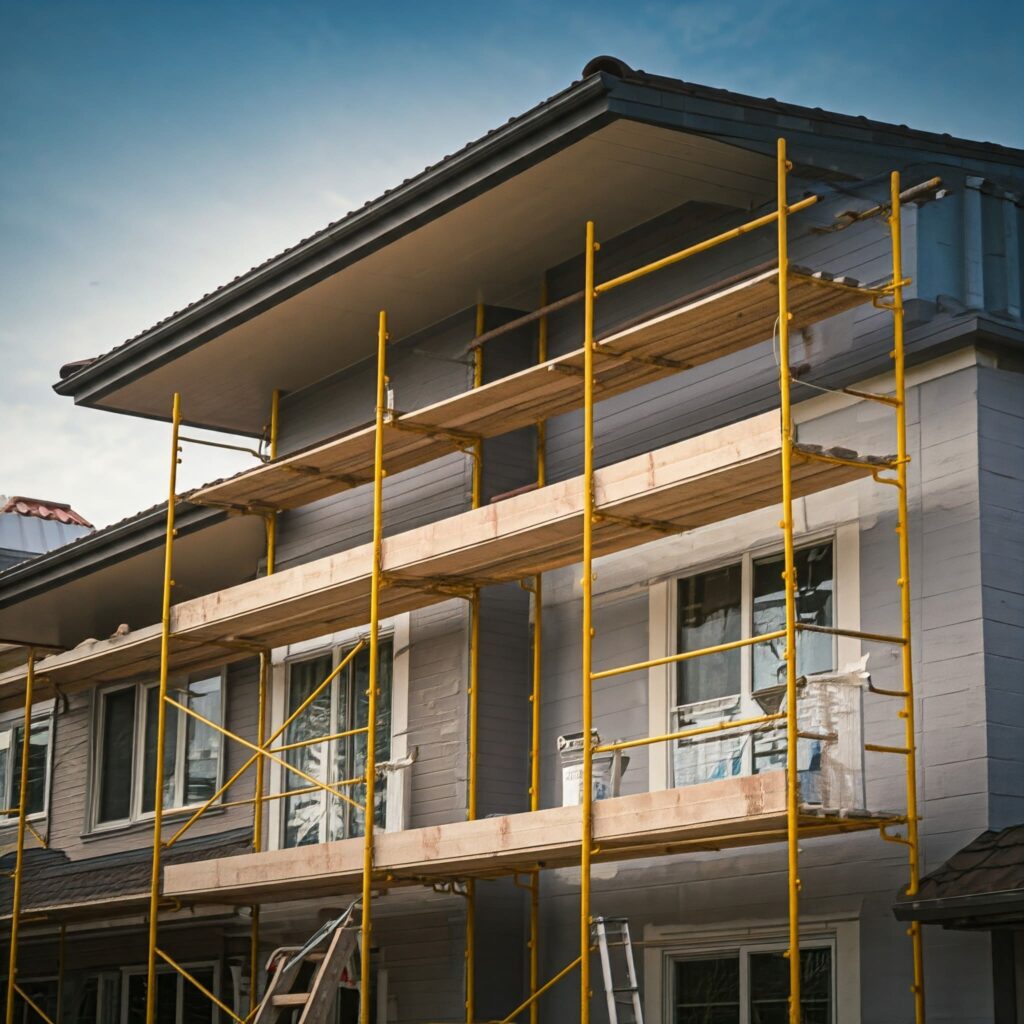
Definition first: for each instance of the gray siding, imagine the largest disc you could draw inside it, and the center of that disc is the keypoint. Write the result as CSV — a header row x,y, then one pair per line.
x,y
438,713
853,876
423,369
1001,442
739,385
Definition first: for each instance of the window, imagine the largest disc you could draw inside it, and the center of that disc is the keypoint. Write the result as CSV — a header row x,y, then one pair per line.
x,y
316,816
729,603
750,985
711,612
126,759
11,734
177,1001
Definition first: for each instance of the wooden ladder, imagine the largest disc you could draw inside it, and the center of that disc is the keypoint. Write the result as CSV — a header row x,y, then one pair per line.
x,y
281,998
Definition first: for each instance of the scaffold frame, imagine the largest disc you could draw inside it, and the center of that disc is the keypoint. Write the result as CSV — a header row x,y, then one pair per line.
x,y
266,748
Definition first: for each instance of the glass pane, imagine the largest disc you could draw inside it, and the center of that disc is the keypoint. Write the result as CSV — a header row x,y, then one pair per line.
x,y
44,995
709,614
166,998
7,799
81,998
769,986
152,706
118,710
382,733
707,991
814,606
38,747
305,812
202,744
197,1008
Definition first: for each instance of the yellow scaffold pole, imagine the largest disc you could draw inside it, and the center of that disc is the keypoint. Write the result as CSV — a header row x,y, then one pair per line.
x,y
165,639
271,517
474,692
365,983
257,823
907,714
261,725
789,581
19,850
535,692
586,786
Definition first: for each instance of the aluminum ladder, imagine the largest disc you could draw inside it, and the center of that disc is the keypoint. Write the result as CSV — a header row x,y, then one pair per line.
x,y
281,999
621,989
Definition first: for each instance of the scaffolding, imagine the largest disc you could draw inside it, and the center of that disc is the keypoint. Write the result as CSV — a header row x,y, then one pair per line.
x,y
628,358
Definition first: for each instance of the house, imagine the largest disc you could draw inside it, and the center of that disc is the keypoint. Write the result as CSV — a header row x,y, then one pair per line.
x,y
482,263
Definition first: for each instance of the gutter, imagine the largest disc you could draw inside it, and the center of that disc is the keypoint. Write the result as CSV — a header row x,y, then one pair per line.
x,y
984,904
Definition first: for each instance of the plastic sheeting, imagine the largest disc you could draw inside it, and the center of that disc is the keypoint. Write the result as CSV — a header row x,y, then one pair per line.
x,y
830,758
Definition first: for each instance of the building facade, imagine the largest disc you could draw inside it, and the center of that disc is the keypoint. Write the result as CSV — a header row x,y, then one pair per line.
x,y
474,243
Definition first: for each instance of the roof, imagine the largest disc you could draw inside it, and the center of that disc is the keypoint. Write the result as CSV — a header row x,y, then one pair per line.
x,y
85,887
41,508
611,88
983,883
29,526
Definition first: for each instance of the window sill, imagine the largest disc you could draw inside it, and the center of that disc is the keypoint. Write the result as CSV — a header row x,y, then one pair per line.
x,y
11,821
99,832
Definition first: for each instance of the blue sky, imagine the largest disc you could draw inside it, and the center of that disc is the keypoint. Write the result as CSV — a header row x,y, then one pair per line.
x,y
151,151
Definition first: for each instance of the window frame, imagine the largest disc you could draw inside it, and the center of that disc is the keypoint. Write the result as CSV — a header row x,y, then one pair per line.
x,y
141,687
127,973
12,720
666,944
664,625
397,631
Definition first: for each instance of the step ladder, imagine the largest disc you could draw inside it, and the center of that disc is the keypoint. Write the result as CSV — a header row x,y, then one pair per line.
x,y
619,970
285,966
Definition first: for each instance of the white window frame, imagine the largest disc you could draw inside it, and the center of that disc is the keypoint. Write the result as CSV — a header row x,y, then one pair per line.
x,y
10,721
397,630
664,944
663,618
177,684
127,973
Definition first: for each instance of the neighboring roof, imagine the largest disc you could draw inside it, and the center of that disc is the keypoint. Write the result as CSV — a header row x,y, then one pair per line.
x,y
41,508
98,886
981,884
609,89
30,526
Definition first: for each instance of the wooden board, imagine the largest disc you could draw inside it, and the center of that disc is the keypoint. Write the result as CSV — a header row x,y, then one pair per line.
x,y
692,333
705,479
716,815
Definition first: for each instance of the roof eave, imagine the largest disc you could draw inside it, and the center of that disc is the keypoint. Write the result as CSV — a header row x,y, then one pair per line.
x,y
292,271
61,565
1006,904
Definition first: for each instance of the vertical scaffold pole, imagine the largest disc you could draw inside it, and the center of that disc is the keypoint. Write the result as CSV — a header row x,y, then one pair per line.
x,y
587,786
261,724
165,644
271,517
19,850
257,824
789,581
365,983
535,691
902,526
474,693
